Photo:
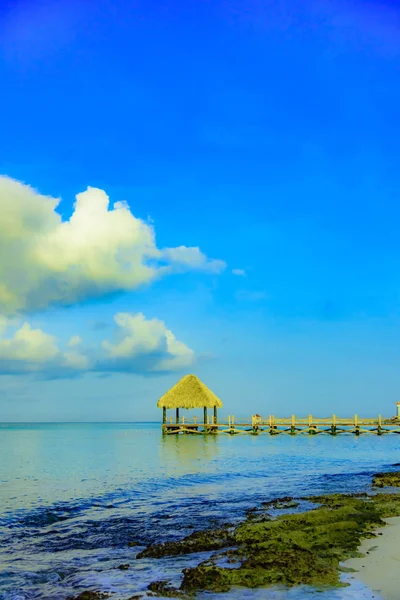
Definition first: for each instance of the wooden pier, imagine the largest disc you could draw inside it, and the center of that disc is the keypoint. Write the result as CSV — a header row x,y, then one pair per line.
x,y
283,426
191,393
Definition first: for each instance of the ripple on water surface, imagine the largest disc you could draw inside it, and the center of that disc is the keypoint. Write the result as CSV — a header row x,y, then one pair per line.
x,y
79,500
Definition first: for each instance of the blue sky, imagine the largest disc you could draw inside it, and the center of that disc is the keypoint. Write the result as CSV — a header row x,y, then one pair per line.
x,y
267,137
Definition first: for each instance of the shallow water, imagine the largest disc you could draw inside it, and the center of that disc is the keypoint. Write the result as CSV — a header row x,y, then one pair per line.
x,y
73,496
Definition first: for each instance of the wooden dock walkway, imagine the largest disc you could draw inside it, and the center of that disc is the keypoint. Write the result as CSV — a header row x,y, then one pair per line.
x,y
284,426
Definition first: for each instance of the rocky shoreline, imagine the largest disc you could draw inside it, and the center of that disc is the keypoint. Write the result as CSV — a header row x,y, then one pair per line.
x,y
289,549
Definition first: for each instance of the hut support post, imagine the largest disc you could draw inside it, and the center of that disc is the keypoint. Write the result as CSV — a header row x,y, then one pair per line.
x,y
164,415
311,427
215,415
293,425
356,425
379,430
205,418
333,426
177,416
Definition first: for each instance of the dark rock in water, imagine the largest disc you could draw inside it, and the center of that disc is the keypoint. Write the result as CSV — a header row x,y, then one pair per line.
x,y
206,577
87,595
257,516
391,479
198,541
134,543
123,567
280,503
165,590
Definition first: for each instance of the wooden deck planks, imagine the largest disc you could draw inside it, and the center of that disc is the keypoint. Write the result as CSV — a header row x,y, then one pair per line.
x,y
288,426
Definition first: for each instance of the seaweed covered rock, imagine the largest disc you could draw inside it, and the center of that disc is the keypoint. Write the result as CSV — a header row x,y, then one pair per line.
x,y
206,577
199,541
281,503
165,590
391,479
388,505
291,549
301,548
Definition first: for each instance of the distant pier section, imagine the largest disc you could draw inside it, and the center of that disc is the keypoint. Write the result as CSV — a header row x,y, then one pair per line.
x,y
191,393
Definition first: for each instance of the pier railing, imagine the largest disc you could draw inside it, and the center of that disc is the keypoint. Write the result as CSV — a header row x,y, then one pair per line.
x,y
287,425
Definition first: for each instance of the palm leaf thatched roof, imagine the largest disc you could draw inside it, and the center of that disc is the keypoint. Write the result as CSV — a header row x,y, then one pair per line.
x,y
189,392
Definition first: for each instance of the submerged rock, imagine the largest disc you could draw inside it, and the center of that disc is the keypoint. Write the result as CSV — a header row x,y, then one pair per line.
x,y
165,590
87,595
281,503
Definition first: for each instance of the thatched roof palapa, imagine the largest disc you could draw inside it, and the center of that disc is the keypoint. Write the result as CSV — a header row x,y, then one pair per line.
x,y
189,392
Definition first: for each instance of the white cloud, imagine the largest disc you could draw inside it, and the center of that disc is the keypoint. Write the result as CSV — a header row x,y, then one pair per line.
x,y
145,341
139,345
75,340
191,258
29,345
239,272
3,324
45,261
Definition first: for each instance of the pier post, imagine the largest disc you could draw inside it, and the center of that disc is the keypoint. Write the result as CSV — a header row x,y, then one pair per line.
x,y
215,415
379,430
311,427
164,415
356,425
272,426
177,416
254,424
293,426
205,418
333,426
232,431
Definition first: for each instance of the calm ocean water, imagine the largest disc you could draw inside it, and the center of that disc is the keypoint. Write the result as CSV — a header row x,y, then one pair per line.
x,y
73,496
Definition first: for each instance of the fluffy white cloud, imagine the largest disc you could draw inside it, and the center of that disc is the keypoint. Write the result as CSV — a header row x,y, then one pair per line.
x,y
139,345
144,342
75,340
29,345
45,260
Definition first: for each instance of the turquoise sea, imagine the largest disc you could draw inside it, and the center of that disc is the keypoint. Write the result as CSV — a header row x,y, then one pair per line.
x,y
74,496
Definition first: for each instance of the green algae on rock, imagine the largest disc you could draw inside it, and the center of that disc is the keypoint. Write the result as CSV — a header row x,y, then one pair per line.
x,y
391,479
281,503
199,541
292,549
165,590
302,548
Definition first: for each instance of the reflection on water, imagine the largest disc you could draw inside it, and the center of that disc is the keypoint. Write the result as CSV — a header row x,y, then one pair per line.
x,y
73,497
188,453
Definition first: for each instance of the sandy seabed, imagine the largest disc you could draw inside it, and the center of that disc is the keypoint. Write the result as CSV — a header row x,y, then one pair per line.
x,y
379,569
